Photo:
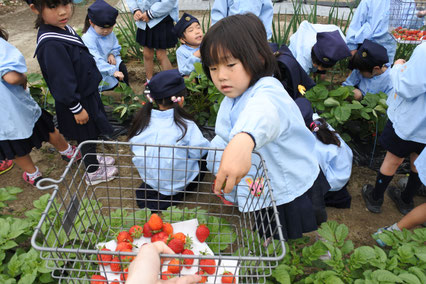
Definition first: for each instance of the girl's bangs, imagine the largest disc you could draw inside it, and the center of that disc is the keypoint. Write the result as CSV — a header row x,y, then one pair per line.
x,y
218,53
54,3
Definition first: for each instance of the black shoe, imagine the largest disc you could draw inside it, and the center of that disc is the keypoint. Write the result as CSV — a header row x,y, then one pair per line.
x,y
395,194
372,205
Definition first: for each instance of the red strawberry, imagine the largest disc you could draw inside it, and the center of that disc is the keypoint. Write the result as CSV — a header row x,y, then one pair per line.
x,y
124,236
203,276
202,233
136,231
166,275
147,232
155,222
127,258
228,277
115,264
104,257
208,265
188,261
123,245
97,279
180,236
123,276
176,245
161,236
167,228
174,266
115,282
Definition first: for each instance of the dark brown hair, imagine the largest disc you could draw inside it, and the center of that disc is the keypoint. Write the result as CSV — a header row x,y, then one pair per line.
x,y
324,134
357,62
41,4
244,38
86,24
4,34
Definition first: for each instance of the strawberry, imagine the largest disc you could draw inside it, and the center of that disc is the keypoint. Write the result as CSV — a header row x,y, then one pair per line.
x,y
115,264
123,245
124,236
102,258
208,265
115,282
97,279
176,245
180,236
136,231
203,276
155,222
188,261
123,276
167,228
161,236
174,266
228,277
127,258
202,233
147,232
166,275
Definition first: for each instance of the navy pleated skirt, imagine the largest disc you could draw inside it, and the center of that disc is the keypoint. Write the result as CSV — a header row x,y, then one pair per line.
x,y
160,36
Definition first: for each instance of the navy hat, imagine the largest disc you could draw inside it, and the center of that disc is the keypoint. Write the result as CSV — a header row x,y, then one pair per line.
x,y
373,54
330,47
185,21
306,110
166,84
102,14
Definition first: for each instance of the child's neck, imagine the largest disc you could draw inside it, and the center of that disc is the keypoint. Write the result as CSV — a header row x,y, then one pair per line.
x,y
162,107
192,46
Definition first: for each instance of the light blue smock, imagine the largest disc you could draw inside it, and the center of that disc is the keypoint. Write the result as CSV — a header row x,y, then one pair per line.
x,y
335,161
186,59
270,115
166,169
159,9
407,105
374,85
420,164
18,109
101,47
261,8
302,41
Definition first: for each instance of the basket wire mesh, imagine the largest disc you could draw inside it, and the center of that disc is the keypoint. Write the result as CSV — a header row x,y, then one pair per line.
x,y
407,21
247,239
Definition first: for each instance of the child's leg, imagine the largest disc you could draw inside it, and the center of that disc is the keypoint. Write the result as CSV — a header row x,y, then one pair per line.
x,y
123,69
88,152
148,57
164,60
387,171
58,141
26,163
413,183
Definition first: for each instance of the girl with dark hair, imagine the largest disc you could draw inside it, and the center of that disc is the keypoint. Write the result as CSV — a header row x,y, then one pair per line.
x,y
24,125
166,172
258,114
73,79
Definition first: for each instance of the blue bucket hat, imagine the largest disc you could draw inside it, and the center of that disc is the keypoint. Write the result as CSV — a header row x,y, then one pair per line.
x,y
102,14
330,48
185,21
166,84
372,54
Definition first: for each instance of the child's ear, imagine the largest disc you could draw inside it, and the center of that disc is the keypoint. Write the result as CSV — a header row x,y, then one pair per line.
x,y
182,40
181,101
34,9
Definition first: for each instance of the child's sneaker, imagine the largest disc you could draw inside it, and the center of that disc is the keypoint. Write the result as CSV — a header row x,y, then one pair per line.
x,y
105,160
392,228
102,174
67,158
5,165
32,180
395,194
371,204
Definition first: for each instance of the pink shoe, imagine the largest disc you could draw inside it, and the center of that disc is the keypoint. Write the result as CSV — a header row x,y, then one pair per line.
x,y
105,160
5,165
67,158
102,174
32,180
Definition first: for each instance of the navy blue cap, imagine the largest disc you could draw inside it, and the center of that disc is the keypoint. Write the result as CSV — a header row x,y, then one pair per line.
x,y
306,110
102,14
330,47
166,84
185,21
372,53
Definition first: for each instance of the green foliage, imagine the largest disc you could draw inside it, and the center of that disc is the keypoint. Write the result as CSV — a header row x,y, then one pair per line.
x,y
40,92
128,104
204,99
349,117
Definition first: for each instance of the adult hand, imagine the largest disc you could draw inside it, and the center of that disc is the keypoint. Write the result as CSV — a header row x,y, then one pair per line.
x,y
111,59
82,117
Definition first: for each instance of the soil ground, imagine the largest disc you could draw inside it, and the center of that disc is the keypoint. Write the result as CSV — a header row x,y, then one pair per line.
x,y
18,20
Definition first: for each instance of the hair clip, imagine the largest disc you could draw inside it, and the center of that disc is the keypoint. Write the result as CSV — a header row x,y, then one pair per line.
x,y
148,96
314,126
175,100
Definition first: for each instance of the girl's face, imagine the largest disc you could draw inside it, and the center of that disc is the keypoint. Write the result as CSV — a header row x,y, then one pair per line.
x,y
57,16
230,77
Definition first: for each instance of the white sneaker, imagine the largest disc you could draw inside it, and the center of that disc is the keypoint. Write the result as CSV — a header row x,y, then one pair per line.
x,y
105,160
102,174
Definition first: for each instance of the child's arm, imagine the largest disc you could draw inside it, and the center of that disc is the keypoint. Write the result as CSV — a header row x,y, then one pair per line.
x,y
219,11
15,78
185,60
266,16
235,163
160,9
359,29
134,8
102,63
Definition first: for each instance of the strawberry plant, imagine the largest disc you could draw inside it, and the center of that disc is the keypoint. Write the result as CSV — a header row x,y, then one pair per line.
x,y
40,92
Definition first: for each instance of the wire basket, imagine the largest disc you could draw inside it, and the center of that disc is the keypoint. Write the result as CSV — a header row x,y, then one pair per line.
x,y
407,21
246,238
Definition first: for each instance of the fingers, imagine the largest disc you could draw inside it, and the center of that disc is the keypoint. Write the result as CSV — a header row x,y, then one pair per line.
x,y
188,279
163,248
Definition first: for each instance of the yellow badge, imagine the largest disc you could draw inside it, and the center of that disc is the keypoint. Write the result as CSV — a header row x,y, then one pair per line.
x,y
364,54
325,59
188,19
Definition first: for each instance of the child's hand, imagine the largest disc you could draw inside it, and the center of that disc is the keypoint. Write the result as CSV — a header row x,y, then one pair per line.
x,y
111,59
357,94
235,163
119,75
137,16
82,117
145,17
353,52
399,61
197,54
421,14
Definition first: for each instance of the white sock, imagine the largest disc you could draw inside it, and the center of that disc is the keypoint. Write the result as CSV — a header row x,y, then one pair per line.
x,y
67,152
34,173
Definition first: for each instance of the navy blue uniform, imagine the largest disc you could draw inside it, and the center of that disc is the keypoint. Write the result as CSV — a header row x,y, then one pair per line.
x,y
73,78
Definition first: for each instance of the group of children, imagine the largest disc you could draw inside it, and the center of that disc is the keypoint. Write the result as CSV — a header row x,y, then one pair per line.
x,y
306,159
